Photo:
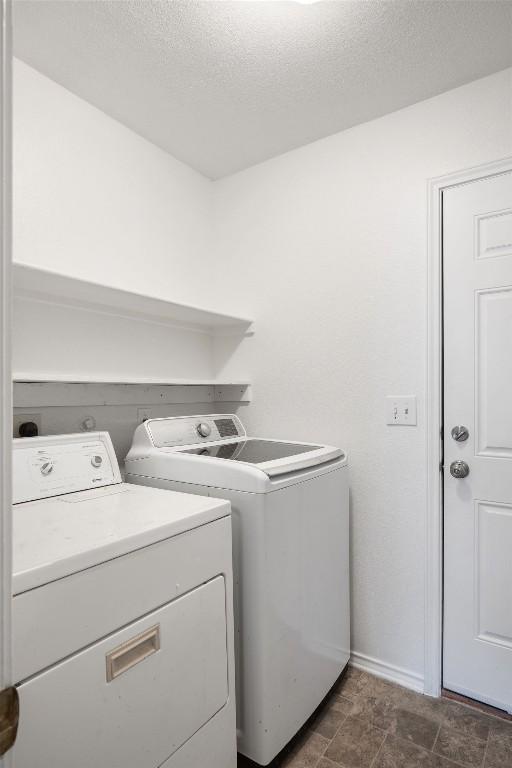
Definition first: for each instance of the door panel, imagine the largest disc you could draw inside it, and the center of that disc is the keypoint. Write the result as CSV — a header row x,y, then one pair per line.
x,y
477,254
493,573
494,234
493,405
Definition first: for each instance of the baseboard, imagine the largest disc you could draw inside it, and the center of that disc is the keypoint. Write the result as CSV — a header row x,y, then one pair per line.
x,y
387,671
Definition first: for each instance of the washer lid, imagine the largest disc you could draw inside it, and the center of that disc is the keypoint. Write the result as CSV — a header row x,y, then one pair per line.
x,y
253,450
248,464
54,538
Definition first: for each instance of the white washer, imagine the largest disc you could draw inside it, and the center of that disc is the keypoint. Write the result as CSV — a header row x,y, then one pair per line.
x,y
122,615
291,560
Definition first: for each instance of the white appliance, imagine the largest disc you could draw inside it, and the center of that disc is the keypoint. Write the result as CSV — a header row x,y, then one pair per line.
x,y
122,615
291,560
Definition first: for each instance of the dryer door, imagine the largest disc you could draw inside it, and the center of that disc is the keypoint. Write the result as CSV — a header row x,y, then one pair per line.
x,y
134,698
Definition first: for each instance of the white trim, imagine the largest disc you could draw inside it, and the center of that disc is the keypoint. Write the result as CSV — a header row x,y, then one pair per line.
x,y
390,672
5,350
433,532
5,347
433,523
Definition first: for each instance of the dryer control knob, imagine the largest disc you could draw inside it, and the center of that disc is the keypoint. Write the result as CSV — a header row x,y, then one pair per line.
x,y
203,429
96,461
47,468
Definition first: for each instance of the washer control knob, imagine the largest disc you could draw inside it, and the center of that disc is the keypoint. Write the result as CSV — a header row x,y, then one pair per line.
x,y
96,461
47,468
203,429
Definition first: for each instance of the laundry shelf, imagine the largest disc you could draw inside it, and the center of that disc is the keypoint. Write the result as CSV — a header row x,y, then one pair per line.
x,y
44,285
36,389
43,377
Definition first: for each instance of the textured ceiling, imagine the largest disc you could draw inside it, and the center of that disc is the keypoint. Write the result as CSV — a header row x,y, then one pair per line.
x,y
223,85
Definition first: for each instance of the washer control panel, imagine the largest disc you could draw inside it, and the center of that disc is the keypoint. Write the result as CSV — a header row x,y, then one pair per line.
x,y
53,465
190,430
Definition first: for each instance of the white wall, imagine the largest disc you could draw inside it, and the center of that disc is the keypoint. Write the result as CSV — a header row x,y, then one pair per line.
x,y
93,199
326,246
53,339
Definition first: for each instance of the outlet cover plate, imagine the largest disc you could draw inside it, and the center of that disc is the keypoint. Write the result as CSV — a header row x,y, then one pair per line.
x,y
143,414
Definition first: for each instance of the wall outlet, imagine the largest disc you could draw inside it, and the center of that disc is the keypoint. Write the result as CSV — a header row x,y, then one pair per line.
x,y
20,418
143,414
401,410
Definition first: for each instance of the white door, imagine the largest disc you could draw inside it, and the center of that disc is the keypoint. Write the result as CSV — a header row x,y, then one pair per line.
x,y
477,254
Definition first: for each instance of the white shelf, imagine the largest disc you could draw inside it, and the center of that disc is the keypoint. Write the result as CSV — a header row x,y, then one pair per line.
x,y
32,282
34,390
73,378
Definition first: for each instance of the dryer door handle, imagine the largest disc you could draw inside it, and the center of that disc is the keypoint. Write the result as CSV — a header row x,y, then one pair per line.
x,y
130,653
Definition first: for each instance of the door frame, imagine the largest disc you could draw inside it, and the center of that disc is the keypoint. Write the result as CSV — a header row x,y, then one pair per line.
x,y
5,348
5,343
434,417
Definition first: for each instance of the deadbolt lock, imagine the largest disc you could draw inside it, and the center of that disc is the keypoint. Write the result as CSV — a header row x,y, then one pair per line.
x,y
460,433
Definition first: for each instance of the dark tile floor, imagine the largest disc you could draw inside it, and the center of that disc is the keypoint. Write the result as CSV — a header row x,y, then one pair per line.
x,y
369,723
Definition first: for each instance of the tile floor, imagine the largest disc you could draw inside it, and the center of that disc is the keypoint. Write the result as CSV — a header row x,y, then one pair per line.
x,y
369,723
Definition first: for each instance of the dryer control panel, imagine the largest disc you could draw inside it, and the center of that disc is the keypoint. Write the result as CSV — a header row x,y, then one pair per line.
x,y
57,464
190,430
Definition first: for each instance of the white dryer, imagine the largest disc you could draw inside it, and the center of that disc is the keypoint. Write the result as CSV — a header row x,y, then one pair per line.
x,y
122,617
290,522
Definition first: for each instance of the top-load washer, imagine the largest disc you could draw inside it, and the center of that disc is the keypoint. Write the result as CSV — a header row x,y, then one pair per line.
x,y
290,523
122,615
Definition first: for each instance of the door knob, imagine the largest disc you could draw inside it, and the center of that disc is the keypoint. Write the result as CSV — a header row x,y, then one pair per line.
x,y
460,433
459,469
